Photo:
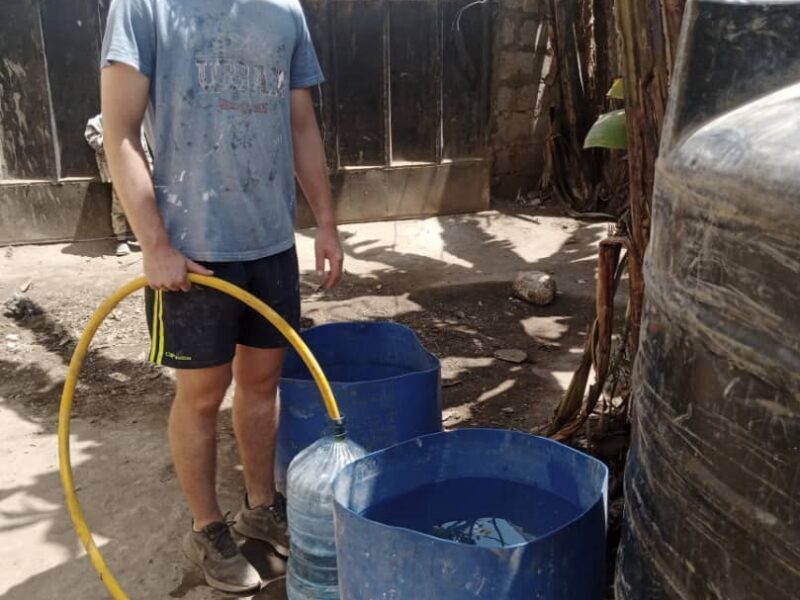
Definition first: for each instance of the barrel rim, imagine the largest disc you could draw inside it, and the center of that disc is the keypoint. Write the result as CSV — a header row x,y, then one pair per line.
x,y
432,359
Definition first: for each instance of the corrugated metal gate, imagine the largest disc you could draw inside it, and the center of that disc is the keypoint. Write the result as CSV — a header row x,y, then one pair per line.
x,y
404,112
49,52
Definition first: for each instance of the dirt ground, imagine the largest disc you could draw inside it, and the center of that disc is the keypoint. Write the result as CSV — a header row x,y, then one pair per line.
x,y
448,278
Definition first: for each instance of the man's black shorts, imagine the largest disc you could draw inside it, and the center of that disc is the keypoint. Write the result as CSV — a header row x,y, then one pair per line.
x,y
200,328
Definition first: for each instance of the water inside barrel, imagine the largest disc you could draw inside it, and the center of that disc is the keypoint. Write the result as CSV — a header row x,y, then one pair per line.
x,y
477,511
491,532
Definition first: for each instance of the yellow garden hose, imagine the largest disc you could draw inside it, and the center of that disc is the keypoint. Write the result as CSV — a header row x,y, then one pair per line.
x,y
65,464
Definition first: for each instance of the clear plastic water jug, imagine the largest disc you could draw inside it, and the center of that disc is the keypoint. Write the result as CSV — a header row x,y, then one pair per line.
x,y
312,571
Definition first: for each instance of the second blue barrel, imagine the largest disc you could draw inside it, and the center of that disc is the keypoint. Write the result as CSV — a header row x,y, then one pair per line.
x,y
385,381
473,513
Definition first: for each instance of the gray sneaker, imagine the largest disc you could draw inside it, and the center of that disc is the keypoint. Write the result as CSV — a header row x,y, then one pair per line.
x,y
265,523
224,566
123,249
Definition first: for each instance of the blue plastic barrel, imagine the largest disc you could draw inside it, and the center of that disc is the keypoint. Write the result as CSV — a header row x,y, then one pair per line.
x,y
386,383
564,560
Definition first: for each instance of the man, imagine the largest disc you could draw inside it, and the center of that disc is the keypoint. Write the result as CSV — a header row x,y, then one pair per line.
x,y
230,120
119,224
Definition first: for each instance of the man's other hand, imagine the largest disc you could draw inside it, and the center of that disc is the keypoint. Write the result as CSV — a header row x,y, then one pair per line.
x,y
328,248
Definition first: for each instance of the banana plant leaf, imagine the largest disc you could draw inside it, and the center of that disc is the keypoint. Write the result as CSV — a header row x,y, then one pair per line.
x,y
609,131
617,91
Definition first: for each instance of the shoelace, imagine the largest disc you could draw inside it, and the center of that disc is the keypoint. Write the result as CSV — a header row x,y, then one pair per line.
x,y
220,536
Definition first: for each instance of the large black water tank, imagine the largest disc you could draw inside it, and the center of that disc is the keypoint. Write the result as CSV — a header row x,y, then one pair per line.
x,y
713,477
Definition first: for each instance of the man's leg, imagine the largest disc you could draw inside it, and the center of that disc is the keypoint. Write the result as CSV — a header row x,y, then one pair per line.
x,y
256,373
257,368
193,438
195,333
119,225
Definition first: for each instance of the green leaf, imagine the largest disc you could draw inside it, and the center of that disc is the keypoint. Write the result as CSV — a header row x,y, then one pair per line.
x,y
609,131
617,91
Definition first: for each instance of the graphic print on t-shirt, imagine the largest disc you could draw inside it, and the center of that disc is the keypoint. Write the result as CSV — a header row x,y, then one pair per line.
x,y
221,75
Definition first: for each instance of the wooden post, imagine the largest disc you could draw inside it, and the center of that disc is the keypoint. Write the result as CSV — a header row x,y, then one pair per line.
x,y
649,31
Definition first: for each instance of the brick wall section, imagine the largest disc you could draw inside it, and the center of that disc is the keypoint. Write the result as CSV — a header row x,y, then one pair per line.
x,y
520,62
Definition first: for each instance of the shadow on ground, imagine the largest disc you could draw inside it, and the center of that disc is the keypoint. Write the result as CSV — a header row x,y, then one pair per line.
x,y
461,310
123,474
464,323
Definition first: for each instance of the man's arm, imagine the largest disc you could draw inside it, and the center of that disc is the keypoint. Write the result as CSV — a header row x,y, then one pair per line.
x,y
124,96
312,173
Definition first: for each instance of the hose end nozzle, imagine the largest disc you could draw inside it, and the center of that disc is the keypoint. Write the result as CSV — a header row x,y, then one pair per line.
x,y
339,429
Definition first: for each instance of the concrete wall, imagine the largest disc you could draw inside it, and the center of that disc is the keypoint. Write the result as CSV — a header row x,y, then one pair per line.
x,y
521,59
80,208
54,211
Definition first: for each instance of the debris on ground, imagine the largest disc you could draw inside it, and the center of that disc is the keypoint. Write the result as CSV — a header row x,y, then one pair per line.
x,y
511,355
530,199
612,446
20,307
508,410
536,287
26,286
446,383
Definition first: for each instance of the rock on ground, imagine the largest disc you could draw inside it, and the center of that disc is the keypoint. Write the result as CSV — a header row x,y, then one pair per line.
x,y
536,287
20,307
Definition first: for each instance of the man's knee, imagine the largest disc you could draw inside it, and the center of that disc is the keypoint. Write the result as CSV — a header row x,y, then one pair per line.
x,y
257,383
257,371
203,390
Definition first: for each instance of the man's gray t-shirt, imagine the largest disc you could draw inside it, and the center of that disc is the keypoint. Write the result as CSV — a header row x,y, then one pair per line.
x,y
218,122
